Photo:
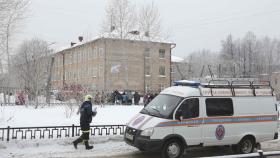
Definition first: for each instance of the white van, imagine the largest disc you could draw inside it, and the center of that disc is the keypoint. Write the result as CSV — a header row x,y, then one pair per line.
x,y
196,115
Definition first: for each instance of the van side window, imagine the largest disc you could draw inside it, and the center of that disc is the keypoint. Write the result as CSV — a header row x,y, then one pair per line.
x,y
219,107
190,108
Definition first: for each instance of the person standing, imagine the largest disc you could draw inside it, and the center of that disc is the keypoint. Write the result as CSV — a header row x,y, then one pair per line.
x,y
136,98
86,114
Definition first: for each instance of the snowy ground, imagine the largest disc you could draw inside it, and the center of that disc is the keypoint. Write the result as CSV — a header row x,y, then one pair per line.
x,y
21,116
104,147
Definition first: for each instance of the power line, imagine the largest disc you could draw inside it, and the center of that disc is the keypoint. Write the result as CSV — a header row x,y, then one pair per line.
x,y
220,20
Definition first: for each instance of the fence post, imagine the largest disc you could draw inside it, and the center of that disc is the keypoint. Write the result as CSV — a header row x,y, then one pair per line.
x,y
73,126
261,154
8,133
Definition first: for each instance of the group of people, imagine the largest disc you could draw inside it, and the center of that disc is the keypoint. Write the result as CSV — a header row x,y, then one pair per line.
x,y
126,97
116,97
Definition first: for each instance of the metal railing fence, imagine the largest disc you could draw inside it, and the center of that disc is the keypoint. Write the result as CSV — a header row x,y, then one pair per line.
x,y
49,132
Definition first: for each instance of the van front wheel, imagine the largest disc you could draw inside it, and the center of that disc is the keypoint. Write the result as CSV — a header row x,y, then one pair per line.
x,y
172,149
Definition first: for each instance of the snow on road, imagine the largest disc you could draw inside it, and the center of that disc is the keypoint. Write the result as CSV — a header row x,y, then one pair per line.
x,y
103,146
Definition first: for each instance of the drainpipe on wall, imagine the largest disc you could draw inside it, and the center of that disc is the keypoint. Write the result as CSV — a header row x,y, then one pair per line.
x,y
173,45
63,69
105,68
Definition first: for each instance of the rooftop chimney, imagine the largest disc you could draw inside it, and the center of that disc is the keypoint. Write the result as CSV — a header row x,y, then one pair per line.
x,y
81,38
72,44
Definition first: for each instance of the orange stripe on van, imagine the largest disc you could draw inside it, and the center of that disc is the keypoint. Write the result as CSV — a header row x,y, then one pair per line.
x,y
220,120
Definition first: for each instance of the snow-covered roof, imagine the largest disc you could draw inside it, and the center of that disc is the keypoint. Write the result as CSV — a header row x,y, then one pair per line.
x,y
114,35
176,59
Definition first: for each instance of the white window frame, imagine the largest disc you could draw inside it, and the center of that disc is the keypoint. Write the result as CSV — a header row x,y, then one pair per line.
x,y
160,53
146,71
162,75
147,53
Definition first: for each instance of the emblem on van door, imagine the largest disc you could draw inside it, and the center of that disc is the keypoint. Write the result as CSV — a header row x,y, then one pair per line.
x,y
220,132
138,120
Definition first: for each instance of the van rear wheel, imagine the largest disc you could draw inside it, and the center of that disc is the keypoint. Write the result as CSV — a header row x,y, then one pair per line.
x,y
172,149
245,146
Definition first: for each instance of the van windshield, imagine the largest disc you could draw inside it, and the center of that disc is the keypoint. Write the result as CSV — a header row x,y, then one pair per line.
x,y
162,106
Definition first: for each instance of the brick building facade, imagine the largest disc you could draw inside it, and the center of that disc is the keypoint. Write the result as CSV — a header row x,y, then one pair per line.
x,y
108,64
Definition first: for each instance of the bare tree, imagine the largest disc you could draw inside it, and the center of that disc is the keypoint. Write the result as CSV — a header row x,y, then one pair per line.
x,y
32,64
228,55
120,19
250,47
123,21
13,13
200,62
149,21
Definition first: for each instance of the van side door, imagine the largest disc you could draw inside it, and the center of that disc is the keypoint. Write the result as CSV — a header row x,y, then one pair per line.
x,y
218,128
189,125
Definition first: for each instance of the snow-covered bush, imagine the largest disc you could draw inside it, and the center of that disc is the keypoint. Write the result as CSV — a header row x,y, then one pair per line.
x,y
70,107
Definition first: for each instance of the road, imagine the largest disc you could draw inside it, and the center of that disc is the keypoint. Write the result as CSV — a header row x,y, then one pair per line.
x,y
202,152
104,147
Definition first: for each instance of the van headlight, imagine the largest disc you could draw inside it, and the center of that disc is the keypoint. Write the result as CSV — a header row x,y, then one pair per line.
x,y
147,132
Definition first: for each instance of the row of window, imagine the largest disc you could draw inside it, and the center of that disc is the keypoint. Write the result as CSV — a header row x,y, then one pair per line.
x,y
161,53
75,57
85,72
148,70
214,107
95,53
97,71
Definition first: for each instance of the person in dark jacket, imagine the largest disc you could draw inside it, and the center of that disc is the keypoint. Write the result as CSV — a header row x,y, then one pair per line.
x,y
85,119
136,98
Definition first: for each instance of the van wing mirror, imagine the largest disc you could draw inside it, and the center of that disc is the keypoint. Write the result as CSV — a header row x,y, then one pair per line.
x,y
178,115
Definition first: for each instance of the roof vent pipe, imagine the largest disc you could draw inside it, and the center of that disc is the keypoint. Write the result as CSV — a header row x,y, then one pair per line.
x,y
81,38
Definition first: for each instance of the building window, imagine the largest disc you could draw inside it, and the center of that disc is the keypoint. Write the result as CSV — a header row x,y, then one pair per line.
x,y
147,52
79,56
83,56
161,87
95,53
162,71
74,57
219,107
147,70
86,55
100,71
100,52
275,81
172,68
162,53
93,72
147,88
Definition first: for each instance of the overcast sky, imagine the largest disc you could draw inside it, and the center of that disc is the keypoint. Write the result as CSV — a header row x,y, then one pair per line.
x,y
192,24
